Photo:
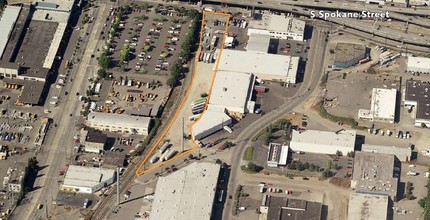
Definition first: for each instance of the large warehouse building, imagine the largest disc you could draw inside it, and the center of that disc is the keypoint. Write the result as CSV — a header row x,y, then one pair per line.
x,y
119,123
213,120
402,153
376,173
258,43
232,91
364,206
277,26
418,64
417,95
347,54
25,58
263,65
83,179
188,193
323,142
382,107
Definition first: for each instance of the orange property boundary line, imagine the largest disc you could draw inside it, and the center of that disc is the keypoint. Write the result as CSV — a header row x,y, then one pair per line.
x,y
175,116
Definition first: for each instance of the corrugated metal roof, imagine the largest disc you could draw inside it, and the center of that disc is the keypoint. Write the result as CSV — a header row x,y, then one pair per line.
x,y
7,22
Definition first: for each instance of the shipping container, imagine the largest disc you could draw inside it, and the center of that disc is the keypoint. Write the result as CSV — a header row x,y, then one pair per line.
x,y
199,105
163,157
201,56
164,147
194,117
170,155
153,158
260,89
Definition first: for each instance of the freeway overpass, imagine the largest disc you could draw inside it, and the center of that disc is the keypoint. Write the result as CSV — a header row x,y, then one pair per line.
x,y
397,35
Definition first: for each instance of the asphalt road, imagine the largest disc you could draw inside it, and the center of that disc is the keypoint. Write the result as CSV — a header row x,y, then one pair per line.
x,y
59,142
312,78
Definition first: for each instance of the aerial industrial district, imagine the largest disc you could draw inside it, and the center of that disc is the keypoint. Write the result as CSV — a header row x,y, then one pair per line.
x,y
215,109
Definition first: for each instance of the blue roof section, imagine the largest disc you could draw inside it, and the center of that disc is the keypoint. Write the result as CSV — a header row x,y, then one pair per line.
x,y
47,5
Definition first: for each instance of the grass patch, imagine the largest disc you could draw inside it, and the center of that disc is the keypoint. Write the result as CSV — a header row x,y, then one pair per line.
x,y
236,199
251,168
249,153
280,124
349,121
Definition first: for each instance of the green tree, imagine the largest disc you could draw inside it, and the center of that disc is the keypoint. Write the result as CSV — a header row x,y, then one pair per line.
x,y
102,73
312,167
104,61
338,153
327,173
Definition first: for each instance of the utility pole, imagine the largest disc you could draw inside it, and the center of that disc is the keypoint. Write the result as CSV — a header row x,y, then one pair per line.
x,y
117,186
182,137
46,209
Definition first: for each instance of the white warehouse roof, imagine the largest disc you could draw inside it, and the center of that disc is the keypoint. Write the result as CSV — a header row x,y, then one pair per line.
x,y
383,103
213,120
402,153
363,206
81,176
278,23
119,120
186,194
7,22
275,67
421,63
258,43
231,90
325,142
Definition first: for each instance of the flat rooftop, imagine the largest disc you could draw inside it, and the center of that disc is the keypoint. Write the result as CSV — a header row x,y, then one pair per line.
x,y
31,91
344,138
231,90
392,150
186,194
34,49
281,208
258,63
374,173
277,153
94,136
55,5
418,62
212,118
277,23
81,176
345,52
418,91
258,42
119,120
7,22
364,206
383,104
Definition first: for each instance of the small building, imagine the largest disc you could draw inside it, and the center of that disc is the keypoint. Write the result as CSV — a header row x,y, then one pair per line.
x,y
382,107
402,153
232,91
277,26
94,141
281,208
376,174
14,177
210,122
83,179
418,64
277,155
119,123
258,43
189,193
265,66
347,54
323,142
365,206
114,159
417,97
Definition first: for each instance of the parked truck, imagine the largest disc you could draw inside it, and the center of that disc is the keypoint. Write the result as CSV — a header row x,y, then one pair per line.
x,y
153,158
170,155
163,157
164,147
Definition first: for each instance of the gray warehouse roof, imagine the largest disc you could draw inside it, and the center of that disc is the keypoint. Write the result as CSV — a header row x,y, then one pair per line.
x,y
258,42
346,52
81,176
281,208
374,173
399,152
363,206
186,194
420,92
